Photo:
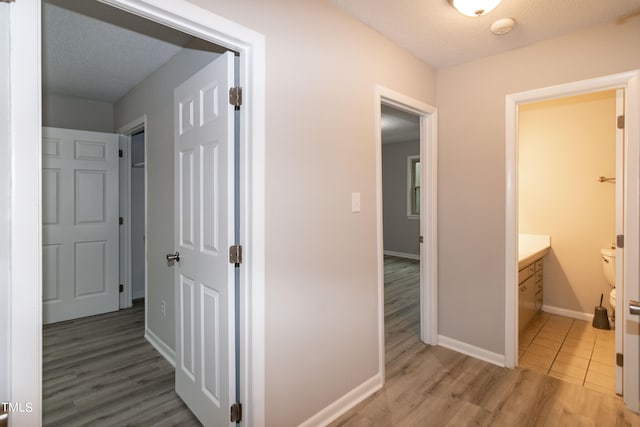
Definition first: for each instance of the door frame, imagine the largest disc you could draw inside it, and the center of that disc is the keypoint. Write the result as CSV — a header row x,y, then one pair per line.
x,y
428,215
25,288
630,81
127,132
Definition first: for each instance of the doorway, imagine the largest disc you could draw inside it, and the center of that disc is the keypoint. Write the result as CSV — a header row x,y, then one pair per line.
x,y
133,211
421,199
26,283
630,82
568,182
199,233
137,199
401,223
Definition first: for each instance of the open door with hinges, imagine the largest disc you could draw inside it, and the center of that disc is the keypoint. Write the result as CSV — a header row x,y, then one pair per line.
x,y
204,231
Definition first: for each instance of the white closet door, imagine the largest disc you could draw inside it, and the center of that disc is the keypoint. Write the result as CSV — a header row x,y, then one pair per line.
x,y
80,223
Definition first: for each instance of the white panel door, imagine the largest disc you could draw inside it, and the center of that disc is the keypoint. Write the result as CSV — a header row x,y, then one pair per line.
x,y
79,223
204,230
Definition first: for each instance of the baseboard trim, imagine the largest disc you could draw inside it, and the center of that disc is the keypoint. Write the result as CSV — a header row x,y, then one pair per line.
x,y
161,347
567,313
346,402
402,255
473,351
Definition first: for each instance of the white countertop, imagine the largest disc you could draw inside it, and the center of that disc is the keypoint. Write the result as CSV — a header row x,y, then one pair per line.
x,y
532,247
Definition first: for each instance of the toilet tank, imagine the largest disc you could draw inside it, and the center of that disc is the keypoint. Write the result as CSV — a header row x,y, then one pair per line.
x,y
608,261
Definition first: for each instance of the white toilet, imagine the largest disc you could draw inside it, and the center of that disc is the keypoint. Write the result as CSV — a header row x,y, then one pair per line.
x,y
608,261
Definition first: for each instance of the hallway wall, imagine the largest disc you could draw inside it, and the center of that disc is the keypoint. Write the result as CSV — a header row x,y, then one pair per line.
x,y
472,175
322,68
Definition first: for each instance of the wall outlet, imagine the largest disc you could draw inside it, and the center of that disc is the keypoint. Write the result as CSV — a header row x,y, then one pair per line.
x,y
163,308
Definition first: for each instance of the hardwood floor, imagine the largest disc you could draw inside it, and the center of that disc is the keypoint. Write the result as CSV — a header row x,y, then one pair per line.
x,y
100,371
434,386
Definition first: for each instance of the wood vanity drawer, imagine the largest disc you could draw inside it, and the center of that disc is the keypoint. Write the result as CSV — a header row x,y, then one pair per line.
x,y
526,272
538,265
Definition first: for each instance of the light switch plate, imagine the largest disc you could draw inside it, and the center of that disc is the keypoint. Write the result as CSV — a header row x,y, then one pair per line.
x,y
355,202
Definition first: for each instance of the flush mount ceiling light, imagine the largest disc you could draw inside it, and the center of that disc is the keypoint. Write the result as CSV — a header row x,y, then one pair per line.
x,y
475,7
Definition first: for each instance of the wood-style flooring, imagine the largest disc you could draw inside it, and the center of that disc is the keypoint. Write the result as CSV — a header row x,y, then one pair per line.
x,y
434,386
100,371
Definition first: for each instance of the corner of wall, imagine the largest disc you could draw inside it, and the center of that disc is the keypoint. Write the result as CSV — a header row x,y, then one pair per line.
x,y
472,351
167,352
346,402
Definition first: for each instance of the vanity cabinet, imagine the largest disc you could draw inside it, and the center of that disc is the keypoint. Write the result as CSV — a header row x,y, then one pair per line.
x,y
530,292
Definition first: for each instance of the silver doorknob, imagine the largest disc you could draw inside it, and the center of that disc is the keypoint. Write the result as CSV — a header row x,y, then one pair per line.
x,y
634,307
173,257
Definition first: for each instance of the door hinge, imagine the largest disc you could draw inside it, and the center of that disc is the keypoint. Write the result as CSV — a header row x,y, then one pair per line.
x,y
235,254
120,153
619,359
120,220
121,288
620,122
235,97
236,412
620,241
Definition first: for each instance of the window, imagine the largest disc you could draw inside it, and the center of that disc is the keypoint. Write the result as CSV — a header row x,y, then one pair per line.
x,y
413,186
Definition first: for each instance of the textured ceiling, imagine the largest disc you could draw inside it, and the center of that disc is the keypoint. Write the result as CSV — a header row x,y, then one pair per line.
x,y
96,52
438,34
93,51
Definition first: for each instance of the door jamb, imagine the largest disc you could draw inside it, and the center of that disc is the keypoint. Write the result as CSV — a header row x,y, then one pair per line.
x,y
428,218
25,324
630,81
24,376
128,130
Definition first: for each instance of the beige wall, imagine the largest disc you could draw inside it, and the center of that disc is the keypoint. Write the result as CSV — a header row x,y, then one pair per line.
x,y
321,290
77,113
564,145
471,186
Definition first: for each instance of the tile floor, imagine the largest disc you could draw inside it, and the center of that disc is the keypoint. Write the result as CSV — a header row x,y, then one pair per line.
x,y
571,350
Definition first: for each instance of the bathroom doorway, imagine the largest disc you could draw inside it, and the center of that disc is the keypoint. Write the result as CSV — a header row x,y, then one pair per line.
x,y
567,191
411,163
621,92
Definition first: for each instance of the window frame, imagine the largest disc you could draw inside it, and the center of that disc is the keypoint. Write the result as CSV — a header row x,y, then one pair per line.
x,y
413,184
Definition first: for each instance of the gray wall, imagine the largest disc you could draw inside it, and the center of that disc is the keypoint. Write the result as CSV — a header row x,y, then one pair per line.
x,y
154,97
322,68
5,192
471,166
401,233
137,217
77,113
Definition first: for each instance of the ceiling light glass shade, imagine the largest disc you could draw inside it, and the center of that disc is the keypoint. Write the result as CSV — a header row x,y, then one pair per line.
x,y
475,7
